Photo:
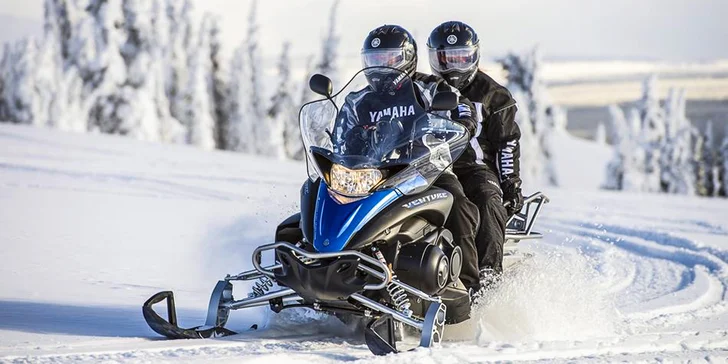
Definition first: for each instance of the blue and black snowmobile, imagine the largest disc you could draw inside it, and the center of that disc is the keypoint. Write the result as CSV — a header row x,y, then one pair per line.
x,y
369,243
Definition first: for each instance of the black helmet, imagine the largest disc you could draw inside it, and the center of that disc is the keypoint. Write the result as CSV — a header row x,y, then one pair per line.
x,y
454,52
390,46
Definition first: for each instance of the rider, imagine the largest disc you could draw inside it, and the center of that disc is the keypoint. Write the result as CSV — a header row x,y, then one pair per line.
x,y
393,46
489,170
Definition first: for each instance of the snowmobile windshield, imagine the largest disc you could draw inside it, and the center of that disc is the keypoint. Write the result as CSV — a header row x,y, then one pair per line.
x,y
383,136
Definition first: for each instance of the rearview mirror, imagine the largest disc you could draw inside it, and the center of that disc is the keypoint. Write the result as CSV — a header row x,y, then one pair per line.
x,y
321,85
444,101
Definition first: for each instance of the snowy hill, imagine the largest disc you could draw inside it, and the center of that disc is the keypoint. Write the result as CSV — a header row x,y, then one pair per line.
x,y
91,225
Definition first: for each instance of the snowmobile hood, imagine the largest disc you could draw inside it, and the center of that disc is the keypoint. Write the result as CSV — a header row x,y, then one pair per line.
x,y
336,223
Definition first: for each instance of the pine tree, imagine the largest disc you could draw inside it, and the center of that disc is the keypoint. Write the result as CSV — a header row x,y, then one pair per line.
x,y
329,54
102,66
677,147
306,95
20,104
3,107
636,169
183,37
135,107
283,111
58,25
199,112
722,165
704,162
600,136
653,133
621,136
170,128
535,108
220,87
239,135
267,140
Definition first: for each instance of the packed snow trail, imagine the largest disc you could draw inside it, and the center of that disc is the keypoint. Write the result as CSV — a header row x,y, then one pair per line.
x,y
92,225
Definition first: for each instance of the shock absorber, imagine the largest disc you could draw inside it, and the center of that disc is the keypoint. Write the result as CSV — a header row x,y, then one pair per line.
x,y
263,285
399,296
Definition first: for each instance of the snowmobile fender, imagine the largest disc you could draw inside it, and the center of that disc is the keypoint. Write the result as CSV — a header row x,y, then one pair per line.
x,y
309,192
433,205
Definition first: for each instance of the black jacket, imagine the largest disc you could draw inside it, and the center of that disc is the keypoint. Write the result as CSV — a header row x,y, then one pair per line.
x,y
497,135
436,84
364,108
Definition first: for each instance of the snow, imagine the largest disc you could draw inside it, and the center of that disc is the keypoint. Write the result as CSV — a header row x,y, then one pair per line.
x,y
92,225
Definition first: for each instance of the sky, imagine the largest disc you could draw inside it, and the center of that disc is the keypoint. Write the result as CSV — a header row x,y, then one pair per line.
x,y
672,30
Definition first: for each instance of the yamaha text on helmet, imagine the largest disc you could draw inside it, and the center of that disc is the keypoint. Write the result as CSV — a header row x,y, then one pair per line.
x,y
454,52
389,46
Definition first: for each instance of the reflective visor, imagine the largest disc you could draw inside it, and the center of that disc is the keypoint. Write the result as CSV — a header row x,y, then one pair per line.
x,y
394,58
462,58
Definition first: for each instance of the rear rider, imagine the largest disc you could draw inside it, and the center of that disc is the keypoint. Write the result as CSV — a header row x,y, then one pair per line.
x,y
489,170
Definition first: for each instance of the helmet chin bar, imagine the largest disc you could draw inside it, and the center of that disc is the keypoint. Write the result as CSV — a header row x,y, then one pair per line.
x,y
457,78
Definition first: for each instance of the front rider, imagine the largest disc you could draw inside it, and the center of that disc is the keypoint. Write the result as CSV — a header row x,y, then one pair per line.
x,y
393,46
489,170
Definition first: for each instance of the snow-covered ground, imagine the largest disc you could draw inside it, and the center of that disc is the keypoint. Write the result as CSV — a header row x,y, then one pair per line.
x,y
92,225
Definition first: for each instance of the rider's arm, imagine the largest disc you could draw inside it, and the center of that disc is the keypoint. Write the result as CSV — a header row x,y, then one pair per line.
x,y
504,133
464,113
346,120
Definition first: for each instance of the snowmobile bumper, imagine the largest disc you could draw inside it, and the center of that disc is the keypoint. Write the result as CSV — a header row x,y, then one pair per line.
x,y
330,281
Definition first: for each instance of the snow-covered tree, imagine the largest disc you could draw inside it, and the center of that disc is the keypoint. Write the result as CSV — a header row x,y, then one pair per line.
x,y
659,154
132,108
97,55
19,99
677,163
722,166
283,112
652,120
170,128
182,40
328,63
704,160
59,18
239,135
199,108
306,95
537,115
600,136
219,89
621,138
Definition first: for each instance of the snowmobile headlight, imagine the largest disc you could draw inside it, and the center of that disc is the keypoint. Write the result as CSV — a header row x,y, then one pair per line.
x,y
353,182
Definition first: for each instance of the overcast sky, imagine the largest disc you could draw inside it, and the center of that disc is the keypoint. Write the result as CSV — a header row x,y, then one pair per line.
x,y
676,30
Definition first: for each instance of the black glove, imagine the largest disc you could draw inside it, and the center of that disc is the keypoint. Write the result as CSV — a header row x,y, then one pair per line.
x,y
463,114
512,197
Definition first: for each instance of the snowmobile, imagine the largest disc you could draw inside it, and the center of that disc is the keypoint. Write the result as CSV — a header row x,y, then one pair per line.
x,y
369,242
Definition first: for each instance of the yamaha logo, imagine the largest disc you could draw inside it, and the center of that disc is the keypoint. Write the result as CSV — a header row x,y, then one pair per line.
x,y
376,42
452,39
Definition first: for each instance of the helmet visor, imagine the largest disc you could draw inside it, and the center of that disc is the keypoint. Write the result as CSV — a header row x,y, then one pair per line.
x,y
461,59
395,58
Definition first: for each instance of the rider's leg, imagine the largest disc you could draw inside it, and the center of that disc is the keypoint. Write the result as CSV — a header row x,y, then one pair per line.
x,y
462,222
482,186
